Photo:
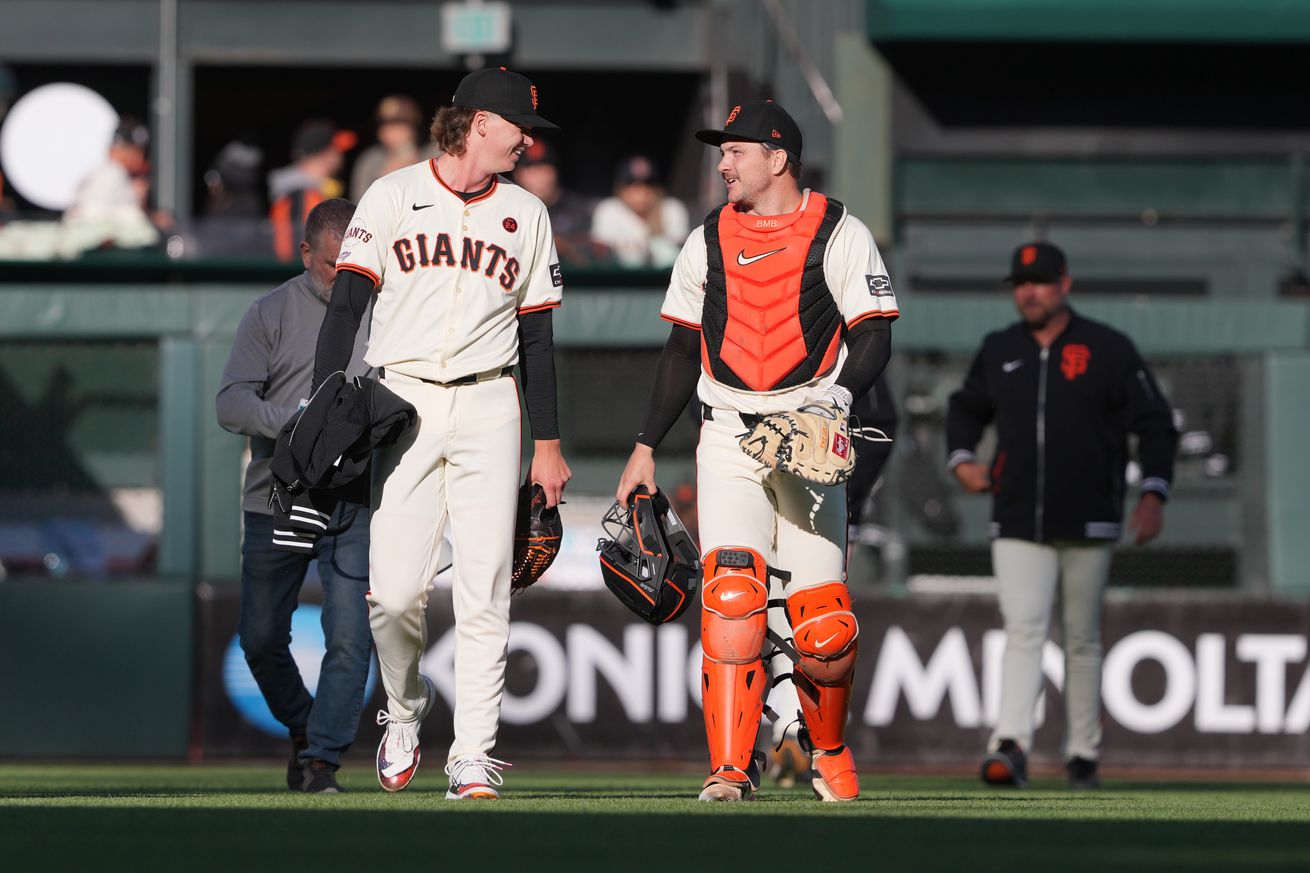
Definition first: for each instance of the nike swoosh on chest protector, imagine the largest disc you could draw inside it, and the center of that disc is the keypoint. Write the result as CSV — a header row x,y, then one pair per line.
x,y
744,261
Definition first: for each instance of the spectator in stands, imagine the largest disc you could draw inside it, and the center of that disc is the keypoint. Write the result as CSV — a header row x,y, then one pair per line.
x,y
232,222
233,182
399,128
1064,392
318,155
267,377
109,209
640,225
537,172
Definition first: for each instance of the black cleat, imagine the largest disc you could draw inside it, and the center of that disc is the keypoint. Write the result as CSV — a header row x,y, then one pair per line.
x,y
1008,765
295,766
320,777
1082,774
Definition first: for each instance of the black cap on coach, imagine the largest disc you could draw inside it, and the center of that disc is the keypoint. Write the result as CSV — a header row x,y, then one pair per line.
x,y
758,121
1037,262
508,94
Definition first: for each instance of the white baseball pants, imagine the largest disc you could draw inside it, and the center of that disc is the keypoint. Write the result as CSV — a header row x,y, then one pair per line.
x,y
797,526
1030,574
459,464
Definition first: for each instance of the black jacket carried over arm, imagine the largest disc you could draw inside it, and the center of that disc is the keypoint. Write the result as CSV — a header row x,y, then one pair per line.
x,y
1062,417
322,455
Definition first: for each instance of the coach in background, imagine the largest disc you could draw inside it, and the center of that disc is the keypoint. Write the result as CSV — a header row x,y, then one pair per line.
x,y
1064,393
266,379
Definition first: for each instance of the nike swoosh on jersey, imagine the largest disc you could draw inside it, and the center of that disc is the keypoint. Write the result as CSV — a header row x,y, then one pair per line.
x,y
416,207
1011,366
753,258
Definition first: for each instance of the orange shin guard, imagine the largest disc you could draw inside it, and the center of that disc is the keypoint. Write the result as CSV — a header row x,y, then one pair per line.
x,y
733,681
825,632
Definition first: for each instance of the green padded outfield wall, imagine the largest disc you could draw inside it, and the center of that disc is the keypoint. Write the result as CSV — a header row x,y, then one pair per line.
x,y
95,669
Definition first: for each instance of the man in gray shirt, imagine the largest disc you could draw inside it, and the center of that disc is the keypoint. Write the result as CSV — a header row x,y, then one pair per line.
x,y
267,378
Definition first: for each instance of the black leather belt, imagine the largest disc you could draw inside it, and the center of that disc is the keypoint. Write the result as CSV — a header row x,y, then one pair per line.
x,y
467,380
747,418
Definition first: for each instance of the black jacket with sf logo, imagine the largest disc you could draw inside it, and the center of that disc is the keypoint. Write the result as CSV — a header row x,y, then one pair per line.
x,y
1062,417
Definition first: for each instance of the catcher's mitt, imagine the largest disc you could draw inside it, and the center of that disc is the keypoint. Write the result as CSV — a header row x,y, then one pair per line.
x,y
814,443
537,534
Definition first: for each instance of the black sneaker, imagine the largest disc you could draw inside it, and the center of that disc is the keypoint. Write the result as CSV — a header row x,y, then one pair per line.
x,y
1008,765
1082,774
295,766
320,777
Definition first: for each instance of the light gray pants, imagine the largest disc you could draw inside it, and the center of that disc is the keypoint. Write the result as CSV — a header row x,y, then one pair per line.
x,y
1029,574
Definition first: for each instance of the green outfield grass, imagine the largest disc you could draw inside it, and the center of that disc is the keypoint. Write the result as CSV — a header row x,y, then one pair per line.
x,y
181,819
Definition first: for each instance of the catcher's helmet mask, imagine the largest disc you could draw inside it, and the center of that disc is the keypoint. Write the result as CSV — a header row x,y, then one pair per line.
x,y
649,561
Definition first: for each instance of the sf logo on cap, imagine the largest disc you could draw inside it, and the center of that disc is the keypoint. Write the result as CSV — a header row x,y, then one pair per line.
x,y
1028,256
732,116
532,89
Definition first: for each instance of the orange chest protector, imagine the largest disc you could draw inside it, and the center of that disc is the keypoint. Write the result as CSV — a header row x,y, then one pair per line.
x,y
769,320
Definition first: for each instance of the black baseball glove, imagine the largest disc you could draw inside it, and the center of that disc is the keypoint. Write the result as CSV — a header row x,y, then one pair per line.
x,y
537,535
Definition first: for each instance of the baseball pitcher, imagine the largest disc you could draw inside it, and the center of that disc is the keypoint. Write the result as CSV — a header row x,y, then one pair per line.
x,y
463,267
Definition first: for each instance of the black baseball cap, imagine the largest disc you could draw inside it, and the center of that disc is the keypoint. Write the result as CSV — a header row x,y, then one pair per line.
x,y
131,132
1037,261
318,135
758,121
511,96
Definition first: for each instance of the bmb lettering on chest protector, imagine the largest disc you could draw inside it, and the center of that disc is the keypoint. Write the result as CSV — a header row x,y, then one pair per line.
x,y
769,320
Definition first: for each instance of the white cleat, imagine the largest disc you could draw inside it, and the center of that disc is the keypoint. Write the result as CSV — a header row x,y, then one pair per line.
x,y
729,785
475,778
398,752
727,791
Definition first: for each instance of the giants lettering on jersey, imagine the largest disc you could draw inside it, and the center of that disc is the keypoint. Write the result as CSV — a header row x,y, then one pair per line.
x,y
437,251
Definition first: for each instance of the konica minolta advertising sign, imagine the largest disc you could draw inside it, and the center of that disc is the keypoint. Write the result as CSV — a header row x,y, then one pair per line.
x,y
1185,681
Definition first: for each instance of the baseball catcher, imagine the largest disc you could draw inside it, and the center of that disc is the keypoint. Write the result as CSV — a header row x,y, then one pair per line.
x,y
781,311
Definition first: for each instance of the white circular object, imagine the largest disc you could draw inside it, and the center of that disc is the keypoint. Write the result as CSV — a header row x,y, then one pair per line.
x,y
52,139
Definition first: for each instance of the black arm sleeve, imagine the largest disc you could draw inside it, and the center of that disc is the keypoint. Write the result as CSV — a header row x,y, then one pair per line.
x,y
675,382
351,293
969,412
537,369
868,349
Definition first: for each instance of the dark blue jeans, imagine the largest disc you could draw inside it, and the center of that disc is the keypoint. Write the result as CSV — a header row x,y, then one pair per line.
x,y
270,589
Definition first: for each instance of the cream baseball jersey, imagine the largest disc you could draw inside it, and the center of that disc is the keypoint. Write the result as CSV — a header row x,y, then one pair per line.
x,y
765,327
451,276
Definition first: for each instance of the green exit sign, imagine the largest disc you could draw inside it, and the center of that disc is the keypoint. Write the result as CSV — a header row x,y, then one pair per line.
x,y
475,28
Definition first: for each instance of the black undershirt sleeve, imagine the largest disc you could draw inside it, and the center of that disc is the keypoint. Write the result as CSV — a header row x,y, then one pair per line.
x,y
537,370
351,293
675,381
868,349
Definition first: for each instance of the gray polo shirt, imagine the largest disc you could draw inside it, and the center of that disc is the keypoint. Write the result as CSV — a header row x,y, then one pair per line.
x,y
269,371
